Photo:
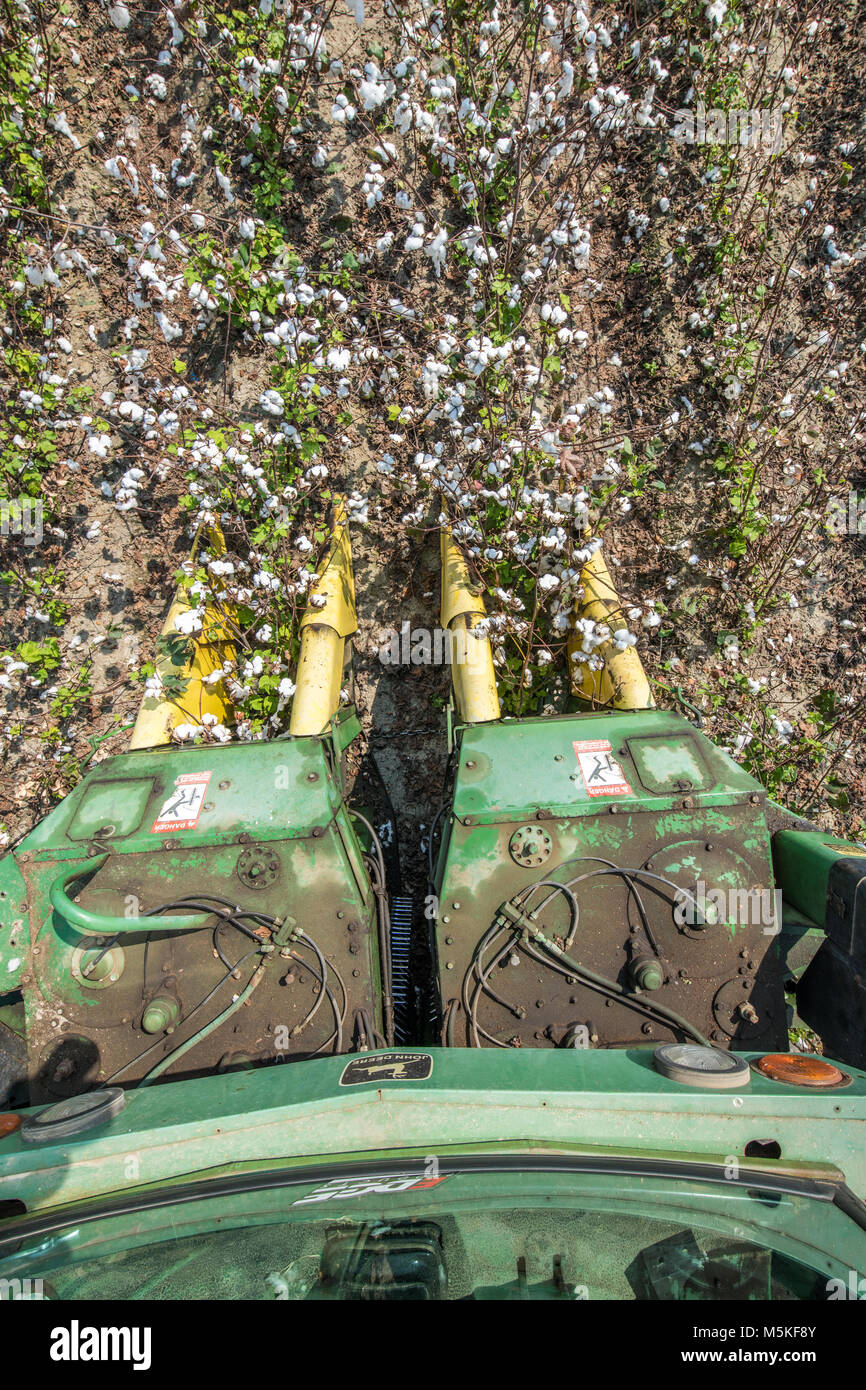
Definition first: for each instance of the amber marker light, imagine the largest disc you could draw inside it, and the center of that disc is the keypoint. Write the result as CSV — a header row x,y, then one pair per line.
x,y
795,1070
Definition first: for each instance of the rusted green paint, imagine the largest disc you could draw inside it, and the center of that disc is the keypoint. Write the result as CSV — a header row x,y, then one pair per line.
x,y
712,829
282,797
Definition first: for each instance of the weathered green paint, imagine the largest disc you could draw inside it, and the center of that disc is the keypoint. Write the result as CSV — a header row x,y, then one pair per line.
x,y
282,799
803,860
521,765
684,810
569,1101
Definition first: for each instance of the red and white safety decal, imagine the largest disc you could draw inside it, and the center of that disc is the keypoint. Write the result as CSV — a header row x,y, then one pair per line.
x,y
602,774
181,810
379,1184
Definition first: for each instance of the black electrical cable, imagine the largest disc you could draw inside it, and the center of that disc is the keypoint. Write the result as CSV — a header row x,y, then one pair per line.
x,y
231,912
633,873
235,908
625,875
571,968
236,911
222,919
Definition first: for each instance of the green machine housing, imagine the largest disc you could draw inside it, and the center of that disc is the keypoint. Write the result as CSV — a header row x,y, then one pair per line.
x,y
262,832
668,848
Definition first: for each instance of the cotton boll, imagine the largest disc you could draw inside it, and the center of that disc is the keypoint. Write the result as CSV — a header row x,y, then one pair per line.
x,y
372,94
100,444
339,358
225,185
154,86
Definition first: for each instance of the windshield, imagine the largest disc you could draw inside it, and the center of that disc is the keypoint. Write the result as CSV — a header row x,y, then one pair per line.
x,y
420,1233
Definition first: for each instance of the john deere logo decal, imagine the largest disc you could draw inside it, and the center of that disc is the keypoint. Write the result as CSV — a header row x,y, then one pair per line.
x,y
388,1066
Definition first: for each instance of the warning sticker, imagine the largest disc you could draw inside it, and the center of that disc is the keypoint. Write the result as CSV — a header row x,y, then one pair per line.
x,y
181,810
602,774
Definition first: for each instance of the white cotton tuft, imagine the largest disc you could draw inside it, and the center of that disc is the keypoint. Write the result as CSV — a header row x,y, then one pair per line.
x,y
119,16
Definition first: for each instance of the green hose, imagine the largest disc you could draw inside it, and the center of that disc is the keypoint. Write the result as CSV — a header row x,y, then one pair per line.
x,y
206,1030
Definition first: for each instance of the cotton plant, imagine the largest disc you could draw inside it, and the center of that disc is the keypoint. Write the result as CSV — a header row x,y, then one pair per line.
x,y
462,328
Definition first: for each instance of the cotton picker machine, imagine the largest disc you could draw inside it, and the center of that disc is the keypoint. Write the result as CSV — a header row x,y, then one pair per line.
x,y
200,969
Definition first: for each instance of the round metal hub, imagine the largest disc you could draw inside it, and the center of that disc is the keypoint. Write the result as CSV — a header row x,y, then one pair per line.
x,y
258,867
530,846
97,967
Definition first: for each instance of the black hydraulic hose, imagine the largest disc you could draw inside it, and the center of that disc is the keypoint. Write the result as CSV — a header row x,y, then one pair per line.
x,y
204,906
606,986
316,1004
470,1003
234,907
625,874
430,862
447,1032
566,892
496,929
483,976
310,942
482,987
383,918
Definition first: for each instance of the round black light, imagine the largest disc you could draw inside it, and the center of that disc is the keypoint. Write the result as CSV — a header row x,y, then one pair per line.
x,y
73,1116
709,1068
